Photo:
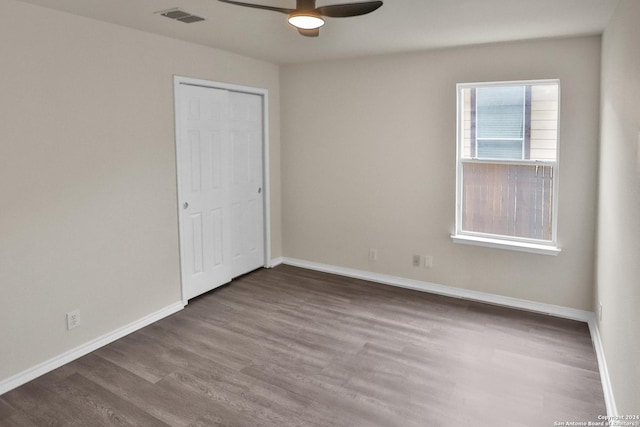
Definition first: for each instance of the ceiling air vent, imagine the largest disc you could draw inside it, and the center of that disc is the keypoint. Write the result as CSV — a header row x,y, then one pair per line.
x,y
180,15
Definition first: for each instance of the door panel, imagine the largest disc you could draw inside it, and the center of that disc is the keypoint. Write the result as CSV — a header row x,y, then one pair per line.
x,y
218,230
247,184
197,251
204,189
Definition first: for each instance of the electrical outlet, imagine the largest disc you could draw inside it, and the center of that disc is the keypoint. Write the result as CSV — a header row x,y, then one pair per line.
x,y
373,254
428,261
600,311
73,319
416,260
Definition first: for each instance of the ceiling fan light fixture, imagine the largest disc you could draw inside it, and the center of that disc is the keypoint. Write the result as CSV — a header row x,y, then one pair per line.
x,y
306,20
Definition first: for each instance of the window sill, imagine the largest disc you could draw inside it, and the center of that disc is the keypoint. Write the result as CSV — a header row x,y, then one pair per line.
x,y
506,244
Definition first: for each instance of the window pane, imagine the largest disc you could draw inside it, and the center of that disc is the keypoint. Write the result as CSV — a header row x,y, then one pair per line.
x,y
508,200
499,149
466,123
500,112
544,121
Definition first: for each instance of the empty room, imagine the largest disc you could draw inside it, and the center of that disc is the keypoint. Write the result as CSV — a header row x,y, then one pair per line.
x,y
320,213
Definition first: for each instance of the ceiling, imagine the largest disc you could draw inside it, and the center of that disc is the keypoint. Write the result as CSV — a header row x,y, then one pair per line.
x,y
398,26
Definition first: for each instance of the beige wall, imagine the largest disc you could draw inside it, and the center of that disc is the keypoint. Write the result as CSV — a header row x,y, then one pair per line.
x,y
368,160
87,174
618,268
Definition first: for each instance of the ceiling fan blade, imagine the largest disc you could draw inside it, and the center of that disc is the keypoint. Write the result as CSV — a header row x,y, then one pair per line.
x,y
259,6
348,9
309,33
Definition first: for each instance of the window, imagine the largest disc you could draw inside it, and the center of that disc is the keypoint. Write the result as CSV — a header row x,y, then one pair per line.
x,y
507,183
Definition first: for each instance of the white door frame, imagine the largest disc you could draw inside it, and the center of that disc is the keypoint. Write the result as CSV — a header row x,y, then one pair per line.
x,y
264,94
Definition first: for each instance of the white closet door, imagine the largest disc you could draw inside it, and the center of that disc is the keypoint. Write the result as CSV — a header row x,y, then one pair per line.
x,y
247,206
204,194
220,169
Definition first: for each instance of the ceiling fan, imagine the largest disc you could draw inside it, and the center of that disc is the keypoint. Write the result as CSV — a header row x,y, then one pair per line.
x,y
307,18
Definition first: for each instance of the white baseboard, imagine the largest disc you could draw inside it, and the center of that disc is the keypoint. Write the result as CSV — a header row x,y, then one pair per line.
x,y
73,354
538,307
609,400
450,291
276,262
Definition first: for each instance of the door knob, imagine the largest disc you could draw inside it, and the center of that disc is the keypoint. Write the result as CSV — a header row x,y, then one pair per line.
x,y
259,190
186,205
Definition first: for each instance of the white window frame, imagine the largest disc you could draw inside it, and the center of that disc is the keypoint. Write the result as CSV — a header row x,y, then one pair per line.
x,y
500,241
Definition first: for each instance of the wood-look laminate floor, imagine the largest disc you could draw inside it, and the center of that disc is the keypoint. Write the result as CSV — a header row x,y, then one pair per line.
x,y
292,347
